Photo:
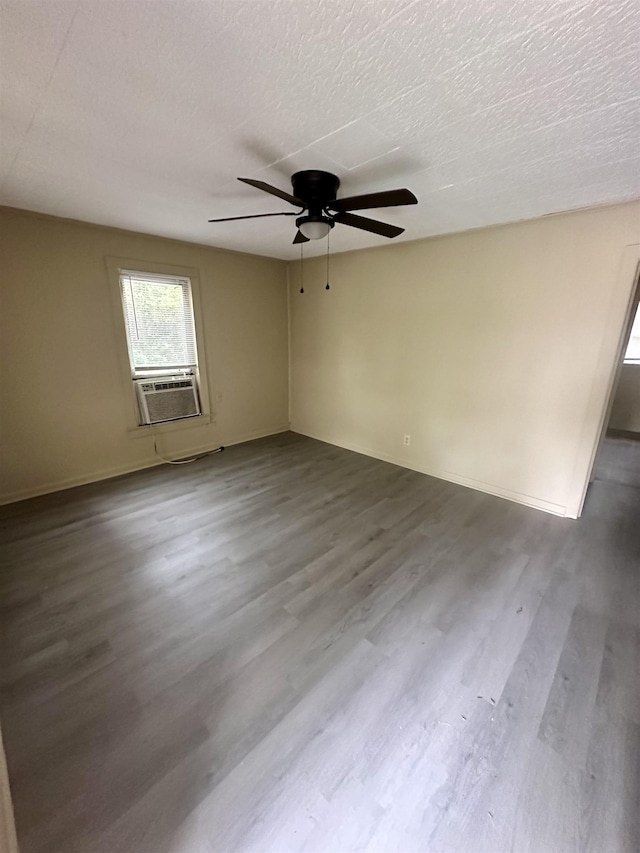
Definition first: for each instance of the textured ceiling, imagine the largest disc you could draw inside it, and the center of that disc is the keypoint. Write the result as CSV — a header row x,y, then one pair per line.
x,y
141,114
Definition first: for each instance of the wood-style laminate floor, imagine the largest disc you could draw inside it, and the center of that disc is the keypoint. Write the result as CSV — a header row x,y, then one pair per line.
x,y
291,647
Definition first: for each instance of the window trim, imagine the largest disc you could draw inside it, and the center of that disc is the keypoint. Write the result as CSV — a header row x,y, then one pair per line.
x,y
114,266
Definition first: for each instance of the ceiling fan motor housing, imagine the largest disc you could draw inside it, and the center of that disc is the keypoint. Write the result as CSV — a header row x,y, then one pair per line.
x,y
316,189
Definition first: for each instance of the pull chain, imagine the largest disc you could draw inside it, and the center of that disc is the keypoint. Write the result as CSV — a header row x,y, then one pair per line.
x,y
328,235
301,268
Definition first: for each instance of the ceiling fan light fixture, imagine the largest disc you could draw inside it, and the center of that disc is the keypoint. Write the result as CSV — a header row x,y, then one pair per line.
x,y
314,227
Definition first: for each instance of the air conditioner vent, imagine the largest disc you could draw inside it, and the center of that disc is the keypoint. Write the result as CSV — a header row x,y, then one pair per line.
x,y
167,399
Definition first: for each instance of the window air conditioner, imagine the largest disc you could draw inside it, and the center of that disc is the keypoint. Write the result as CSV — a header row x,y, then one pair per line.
x,y
167,398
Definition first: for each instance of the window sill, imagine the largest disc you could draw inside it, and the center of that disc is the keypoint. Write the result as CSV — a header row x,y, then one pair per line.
x,y
170,426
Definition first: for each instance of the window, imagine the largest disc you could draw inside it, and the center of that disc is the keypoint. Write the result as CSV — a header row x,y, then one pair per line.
x,y
158,313
632,355
160,331
161,344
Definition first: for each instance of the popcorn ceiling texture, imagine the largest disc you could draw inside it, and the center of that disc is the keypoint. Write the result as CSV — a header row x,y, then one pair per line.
x,y
140,115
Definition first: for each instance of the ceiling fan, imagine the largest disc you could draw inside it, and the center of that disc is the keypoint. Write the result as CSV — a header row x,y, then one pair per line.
x,y
315,193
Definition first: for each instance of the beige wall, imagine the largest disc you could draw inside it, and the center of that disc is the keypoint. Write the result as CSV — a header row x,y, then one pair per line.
x,y
625,413
493,349
63,405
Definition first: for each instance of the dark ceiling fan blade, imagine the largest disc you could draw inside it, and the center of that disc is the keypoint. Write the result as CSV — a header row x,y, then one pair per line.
x,y
382,228
254,216
267,188
388,198
300,238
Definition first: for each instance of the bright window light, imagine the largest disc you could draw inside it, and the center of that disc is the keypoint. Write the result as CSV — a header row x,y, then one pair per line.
x,y
159,319
632,355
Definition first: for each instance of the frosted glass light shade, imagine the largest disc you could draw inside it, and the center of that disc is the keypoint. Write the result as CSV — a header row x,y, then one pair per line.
x,y
315,230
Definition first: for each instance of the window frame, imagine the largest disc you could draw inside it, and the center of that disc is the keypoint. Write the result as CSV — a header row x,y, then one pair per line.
x,y
134,429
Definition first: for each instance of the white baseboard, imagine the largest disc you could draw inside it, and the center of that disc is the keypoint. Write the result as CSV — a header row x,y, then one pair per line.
x,y
478,485
252,436
119,470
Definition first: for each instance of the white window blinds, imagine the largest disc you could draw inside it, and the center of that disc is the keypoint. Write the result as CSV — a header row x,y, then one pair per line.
x,y
158,315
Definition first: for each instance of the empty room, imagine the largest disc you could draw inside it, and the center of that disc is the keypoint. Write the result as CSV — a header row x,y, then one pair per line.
x,y
319,426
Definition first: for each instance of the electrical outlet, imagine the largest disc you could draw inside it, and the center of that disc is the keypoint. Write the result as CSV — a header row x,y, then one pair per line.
x,y
407,440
